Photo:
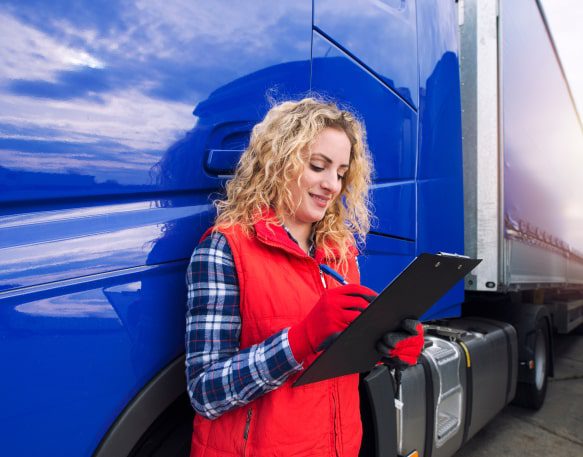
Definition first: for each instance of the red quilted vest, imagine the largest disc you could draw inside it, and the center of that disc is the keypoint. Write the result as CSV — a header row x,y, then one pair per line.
x,y
279,284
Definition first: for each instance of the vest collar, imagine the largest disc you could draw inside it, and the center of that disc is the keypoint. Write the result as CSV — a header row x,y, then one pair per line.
x,y
275,235
268,231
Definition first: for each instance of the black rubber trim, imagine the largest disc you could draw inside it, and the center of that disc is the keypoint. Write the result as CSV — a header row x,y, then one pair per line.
x,y
381,395
143,410
429,407
394,237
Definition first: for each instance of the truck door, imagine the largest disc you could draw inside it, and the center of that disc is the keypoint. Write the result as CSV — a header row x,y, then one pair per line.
x,y
365,55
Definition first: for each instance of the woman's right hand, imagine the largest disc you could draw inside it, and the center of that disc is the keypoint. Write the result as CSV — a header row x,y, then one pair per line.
x,y
331,314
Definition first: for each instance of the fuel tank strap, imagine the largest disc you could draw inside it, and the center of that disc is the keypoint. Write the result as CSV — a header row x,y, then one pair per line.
x,y
469,391
429,407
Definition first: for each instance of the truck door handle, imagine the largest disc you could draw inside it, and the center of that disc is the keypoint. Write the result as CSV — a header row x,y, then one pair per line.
x,y
222,162
225,144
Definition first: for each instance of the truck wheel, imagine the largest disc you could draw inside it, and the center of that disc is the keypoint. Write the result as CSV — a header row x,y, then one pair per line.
x,y
532,394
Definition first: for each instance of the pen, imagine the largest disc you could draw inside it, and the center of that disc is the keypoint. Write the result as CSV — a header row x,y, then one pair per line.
x,y
331,272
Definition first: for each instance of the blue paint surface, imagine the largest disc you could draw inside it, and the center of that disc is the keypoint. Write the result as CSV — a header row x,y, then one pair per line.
x,y
118,125
381,34
440,203
111,111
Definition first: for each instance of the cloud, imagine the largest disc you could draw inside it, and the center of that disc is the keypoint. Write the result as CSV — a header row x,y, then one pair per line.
x,y
69,306
127,117
85,83
33,55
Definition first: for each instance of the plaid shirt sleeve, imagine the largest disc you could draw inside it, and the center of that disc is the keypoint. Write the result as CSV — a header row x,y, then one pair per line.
x,y
219,375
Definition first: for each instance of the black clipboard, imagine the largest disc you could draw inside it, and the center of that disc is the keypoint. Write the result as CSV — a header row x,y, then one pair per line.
x,y
426,279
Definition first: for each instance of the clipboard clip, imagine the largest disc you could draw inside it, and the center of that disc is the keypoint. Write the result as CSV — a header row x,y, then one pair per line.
x,y
450,254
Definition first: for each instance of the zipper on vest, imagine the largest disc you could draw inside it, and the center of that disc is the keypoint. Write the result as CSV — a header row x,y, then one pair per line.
x,y
246,431
336,450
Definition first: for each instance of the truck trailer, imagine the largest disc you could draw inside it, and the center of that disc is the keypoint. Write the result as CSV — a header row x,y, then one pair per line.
x,y
122,121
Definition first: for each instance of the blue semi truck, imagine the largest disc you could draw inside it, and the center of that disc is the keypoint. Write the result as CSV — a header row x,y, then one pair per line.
x,y
120,121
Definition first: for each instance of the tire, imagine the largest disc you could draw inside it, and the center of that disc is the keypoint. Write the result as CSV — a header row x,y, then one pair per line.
x,y
170,434
532,394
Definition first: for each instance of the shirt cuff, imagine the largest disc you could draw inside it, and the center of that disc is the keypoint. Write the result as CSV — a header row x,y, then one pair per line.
x,y
288,352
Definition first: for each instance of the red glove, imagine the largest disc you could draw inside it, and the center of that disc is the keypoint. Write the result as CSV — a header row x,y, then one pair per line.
x,y
403,347
335,310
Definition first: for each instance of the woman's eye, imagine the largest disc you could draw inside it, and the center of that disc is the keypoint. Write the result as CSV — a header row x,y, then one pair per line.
x,y
316,168
340,177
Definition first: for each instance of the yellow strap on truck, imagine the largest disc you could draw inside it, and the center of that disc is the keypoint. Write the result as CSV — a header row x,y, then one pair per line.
x,y
467,351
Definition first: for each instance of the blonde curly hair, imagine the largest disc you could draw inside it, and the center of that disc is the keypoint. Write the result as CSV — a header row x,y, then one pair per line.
x,y
278,151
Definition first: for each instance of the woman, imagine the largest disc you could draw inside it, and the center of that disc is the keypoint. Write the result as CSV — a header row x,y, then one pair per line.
x,y
260,308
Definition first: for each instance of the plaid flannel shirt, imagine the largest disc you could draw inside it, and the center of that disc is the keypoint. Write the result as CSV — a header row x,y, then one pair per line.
x,y
219,375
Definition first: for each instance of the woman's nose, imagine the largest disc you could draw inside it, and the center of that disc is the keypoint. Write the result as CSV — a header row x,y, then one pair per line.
x,y
331,183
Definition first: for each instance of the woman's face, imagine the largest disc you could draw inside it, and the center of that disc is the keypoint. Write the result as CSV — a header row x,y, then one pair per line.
x,y
321,180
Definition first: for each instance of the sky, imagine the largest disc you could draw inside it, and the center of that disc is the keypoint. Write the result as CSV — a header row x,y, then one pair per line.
x,y
565,19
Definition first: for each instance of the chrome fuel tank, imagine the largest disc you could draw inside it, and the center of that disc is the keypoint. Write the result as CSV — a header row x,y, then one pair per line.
x,y
466,375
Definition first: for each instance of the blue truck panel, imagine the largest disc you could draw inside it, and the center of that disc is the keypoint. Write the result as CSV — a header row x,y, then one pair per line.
x,y
74,355
392,143
440,202
380,34
49,246
391,125
101,114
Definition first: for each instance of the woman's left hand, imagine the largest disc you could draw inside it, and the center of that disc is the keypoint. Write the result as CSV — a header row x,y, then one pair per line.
x,y
405,346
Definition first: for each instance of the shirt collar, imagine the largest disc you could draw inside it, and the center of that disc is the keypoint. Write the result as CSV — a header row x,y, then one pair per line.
x,y
311,241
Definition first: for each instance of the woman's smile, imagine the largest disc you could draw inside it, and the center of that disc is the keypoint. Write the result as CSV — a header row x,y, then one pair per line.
x,y
320,200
